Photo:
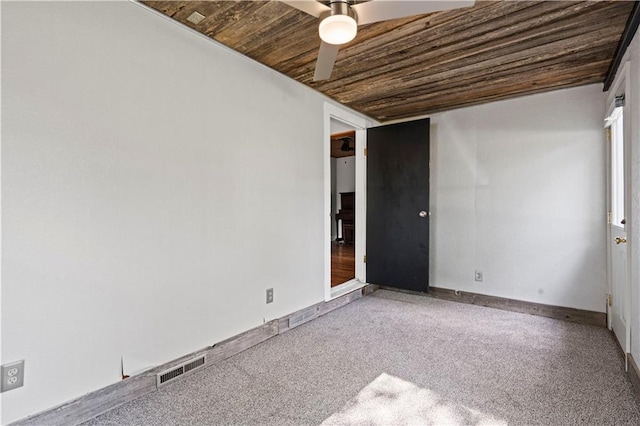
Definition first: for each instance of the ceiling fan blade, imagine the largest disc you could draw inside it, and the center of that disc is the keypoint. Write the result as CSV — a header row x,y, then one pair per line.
x,y
312,7
383,10
326,58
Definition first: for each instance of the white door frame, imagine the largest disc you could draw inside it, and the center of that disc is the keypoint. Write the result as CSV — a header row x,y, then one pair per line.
x,y
360,124
621,85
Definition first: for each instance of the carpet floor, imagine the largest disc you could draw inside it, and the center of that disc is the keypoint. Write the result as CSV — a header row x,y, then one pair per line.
x,y
394,358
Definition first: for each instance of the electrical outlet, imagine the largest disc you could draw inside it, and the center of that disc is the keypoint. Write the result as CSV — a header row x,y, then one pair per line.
x,y
479,276
269,295
12,375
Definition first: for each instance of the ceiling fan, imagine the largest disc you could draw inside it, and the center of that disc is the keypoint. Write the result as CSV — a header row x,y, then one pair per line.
x,y
339,21
346,142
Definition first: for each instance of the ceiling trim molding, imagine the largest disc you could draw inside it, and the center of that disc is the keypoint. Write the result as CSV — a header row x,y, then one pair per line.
x,y
627,35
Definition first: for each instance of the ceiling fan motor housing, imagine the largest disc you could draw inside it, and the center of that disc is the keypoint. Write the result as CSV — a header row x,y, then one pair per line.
x,y
340,7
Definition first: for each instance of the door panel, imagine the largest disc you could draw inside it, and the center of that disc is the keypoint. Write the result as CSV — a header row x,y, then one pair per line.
x,y
397,193
618,255
619,292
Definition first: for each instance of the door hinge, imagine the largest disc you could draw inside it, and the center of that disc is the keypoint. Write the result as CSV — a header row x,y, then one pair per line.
x,y
364,258
608,133
608,218
365,152
609,300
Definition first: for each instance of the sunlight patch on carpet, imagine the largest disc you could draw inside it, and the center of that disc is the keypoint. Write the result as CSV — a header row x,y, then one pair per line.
x,y
389,400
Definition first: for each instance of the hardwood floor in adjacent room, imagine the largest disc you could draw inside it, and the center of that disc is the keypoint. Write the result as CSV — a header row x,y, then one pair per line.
x,y
343,263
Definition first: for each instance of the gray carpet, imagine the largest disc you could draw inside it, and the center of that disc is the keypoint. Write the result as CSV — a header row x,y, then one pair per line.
x,y
393,358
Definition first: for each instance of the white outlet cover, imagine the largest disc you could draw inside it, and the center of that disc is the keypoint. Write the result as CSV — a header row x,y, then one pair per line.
x,y
12,375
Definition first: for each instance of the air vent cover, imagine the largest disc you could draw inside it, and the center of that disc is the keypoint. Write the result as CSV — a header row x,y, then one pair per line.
x,y
195,18
193,364
172,373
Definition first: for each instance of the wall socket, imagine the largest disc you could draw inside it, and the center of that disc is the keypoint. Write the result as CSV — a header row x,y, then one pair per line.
x,y
479,276
269,295
12,375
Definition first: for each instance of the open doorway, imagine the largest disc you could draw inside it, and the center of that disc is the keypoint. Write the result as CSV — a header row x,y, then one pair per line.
x,y
343,195
338,120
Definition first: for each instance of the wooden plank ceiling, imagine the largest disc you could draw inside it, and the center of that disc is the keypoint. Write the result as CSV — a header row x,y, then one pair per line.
x,y
427,63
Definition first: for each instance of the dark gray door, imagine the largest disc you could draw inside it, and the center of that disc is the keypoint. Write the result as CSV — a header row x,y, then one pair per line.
x,y
398,205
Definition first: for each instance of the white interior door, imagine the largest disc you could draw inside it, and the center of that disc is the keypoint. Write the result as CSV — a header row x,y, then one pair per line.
x,y
619,307
619,291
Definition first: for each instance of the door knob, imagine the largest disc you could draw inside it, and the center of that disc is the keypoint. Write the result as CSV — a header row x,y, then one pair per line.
x,y
423,213
620,240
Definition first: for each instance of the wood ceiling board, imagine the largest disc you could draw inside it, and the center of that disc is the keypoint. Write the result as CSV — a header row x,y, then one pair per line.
x,y
451,67
477,49
483,93
375,42
427,63
493,83
391,53
627,36
276,41
600,42
273,35
489,76
564,52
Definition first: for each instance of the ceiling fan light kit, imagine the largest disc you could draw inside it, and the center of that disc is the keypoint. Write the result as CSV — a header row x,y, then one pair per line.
x,y
340,19
338,29
338,26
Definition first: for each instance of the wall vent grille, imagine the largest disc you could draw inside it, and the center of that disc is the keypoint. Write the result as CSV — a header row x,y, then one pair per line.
x,y
193,364
171,374
302,317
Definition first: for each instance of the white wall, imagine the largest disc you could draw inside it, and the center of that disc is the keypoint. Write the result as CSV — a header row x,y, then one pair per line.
x,y
148,172
343,173
338,126
518,192
632,102
148,175
345,177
